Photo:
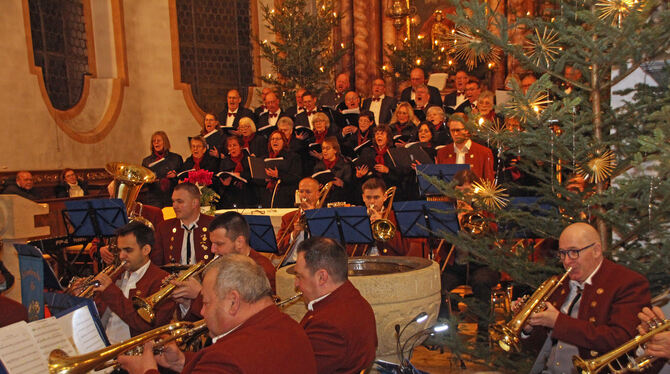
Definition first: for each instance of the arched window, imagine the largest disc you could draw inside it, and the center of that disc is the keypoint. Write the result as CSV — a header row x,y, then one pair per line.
x,y
215,49
58,30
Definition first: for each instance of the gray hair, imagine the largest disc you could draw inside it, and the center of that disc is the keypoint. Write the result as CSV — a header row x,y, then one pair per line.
x,y
437,110
242,274
285,120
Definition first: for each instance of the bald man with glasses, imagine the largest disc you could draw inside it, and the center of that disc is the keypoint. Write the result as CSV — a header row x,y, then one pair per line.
x,y
590,314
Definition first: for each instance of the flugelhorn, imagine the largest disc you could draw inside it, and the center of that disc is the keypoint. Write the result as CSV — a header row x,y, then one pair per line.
x,y
61,363
507,334
86,287
610,360
146,306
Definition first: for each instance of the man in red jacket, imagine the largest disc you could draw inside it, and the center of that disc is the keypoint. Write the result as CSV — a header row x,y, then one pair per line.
x,y
464,151
592,313
249,333
140,278
339,322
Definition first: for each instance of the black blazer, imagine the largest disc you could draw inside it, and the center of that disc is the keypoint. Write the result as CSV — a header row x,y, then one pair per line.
x,y
63,190
154,195
385,111
336,119
290,173
237,194
258,146
435,96
208,163
342,169
264,120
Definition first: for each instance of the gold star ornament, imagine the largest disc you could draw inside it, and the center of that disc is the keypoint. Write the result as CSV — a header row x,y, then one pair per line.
x,y
490,194
473,50
542,49
598,168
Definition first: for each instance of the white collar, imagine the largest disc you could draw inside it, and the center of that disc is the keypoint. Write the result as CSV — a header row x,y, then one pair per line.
x,y
310,306
588,280
215,339
139,273
465,148
194,224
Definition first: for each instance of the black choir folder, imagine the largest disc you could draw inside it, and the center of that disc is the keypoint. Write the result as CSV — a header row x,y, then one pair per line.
x,y
257,165
25,347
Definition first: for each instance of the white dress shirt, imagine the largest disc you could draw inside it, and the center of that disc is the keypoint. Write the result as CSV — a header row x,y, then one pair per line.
x,y
117,330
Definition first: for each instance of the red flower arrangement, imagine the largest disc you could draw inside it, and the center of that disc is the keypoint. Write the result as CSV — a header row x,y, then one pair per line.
x,y
200,177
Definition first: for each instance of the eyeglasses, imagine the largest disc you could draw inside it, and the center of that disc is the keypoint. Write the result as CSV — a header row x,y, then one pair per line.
x,y
572,253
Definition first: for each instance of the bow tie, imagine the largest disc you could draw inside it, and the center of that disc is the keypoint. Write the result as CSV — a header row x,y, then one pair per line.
x,y
376,99
231,114
311,113
419,108
273,115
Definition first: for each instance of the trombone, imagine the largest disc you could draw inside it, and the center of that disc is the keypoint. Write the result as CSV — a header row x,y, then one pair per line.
x,y
300,217
61,363
383,229
507,334
146,306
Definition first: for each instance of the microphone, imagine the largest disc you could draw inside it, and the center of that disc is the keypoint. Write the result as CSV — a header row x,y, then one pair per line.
x,y
419,318
405,365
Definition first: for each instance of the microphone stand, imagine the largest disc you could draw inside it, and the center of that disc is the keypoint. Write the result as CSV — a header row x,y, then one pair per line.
x,y
405,366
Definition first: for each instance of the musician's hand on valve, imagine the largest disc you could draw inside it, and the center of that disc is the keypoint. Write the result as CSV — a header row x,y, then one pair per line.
x,y
187,289
545,318
105,281
171,357
139,364
106,254
648,318
659,345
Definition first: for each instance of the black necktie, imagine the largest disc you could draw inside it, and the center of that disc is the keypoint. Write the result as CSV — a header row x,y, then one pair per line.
x,y
188,243
574,301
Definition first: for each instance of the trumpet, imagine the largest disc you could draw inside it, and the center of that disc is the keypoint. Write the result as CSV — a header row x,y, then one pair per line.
x,y
280,303
61,363
85,287
507,334
145,307
609,359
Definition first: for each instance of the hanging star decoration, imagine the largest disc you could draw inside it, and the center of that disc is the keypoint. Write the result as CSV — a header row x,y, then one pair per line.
x,y
472,49
615,9
536,103
599,167
490,194
543,49
493,129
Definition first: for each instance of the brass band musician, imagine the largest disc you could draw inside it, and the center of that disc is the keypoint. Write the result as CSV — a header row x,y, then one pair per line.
x,y
140,278
591,314
292,226
241,315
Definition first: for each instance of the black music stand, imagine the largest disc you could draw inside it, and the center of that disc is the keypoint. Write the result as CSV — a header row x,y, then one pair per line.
x,y
349,225
262,237
443,172
94,218
426,219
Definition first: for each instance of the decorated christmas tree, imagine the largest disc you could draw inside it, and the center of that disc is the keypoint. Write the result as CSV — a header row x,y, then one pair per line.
x,y
302,54
594,153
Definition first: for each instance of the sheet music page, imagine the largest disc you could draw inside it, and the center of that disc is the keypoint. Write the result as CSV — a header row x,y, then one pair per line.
x,y
80,327
18,350
49,336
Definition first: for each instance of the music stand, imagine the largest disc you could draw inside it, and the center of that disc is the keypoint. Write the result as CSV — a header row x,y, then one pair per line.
x,y
350,225
94,218
443,172
262,237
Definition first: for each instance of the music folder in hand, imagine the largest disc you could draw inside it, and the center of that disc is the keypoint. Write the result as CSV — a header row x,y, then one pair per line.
x,y
226,174
324,176
257,165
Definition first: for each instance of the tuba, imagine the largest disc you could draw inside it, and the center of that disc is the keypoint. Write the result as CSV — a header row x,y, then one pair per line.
x,y
61,363
610,360
145,306
507,334
383,229
127,183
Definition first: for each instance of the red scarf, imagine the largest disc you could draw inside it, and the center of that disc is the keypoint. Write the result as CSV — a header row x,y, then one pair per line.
x,y
272,182
238,163
330,164
196,162
362,138
320,137
399,126
159,155
379,158
247,140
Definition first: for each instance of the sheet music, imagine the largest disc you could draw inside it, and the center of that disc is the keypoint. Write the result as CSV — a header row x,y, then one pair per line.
x,y
80,326
156,162
17,350
49,336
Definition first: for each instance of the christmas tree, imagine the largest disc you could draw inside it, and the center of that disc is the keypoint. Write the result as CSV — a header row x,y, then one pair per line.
x,y
302,54
596,155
